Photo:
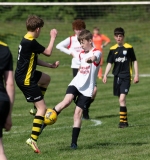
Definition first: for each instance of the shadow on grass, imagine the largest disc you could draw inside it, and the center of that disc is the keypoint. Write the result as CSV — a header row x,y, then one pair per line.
x,y
107,145
107,116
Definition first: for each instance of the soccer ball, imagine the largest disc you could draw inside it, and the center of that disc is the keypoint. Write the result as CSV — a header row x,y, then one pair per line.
x,y
50,117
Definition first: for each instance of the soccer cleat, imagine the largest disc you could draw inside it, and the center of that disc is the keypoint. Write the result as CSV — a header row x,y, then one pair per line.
x,y
73,146
123,124
33,111
33,145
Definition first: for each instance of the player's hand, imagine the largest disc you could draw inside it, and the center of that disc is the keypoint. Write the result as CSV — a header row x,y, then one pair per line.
x,y
55,64
53,33
104,79
8,123
136,79
89,60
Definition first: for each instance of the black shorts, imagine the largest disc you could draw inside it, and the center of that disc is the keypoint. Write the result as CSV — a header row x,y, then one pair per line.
x,y
79,99
4,110
121,86
32,92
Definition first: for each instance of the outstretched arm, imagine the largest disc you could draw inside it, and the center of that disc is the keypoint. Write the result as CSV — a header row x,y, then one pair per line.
x,y
48,50
45,64
108,67
136,77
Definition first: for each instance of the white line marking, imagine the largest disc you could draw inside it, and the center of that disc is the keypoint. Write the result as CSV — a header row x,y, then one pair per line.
x,y
97,122
16,128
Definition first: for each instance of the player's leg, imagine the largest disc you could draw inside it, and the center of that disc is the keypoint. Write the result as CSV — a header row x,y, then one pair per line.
x,y
80,102
43,81
4,110
2,154
86,107
37,124
124,89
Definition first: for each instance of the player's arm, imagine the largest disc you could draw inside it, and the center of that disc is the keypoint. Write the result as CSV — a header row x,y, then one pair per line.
x,y
106,41
107,70
48,50
10,88
95,58
63,46
48,65
136,77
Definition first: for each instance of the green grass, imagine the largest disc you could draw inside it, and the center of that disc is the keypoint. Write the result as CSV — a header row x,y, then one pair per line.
x,y
102,142
105,141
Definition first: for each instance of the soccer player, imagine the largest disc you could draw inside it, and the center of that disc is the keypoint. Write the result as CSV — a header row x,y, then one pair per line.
x,y
71,46
81,87
7,92
121,55
100,41
31,82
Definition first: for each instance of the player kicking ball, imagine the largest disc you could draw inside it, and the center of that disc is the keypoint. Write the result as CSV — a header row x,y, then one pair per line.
x,y
81,87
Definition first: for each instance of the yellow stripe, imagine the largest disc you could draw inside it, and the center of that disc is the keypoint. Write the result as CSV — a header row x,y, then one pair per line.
x,y
130,70
34,136
124,113
38,121
37,129
124,117
28,75
2,43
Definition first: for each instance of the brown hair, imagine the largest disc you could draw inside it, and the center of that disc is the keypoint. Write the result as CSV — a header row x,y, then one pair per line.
x,y
96,28
33,22
78,24
119,30
85,34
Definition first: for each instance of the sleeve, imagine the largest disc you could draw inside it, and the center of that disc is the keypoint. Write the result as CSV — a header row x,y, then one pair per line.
x,y
98,54
9,65
37,48
63,46
132,55
105,38
110,57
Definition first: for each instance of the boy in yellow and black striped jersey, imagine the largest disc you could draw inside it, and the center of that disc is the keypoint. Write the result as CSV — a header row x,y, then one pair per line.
x,y
121,55
31,82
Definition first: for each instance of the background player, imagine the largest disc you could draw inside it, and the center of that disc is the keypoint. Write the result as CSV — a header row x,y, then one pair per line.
x,y
28,78
82,85
100,41
71,45
122,55
7,92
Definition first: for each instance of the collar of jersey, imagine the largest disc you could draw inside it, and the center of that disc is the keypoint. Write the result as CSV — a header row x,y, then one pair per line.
x,y
28,36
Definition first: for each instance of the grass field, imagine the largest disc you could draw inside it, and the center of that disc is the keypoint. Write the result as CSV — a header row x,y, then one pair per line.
x,y
96,142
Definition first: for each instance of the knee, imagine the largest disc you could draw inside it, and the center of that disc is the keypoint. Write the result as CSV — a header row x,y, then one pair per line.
x,y
121,100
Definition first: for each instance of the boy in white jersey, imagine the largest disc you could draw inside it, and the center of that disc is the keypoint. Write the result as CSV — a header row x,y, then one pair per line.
x,y
81,87
71,46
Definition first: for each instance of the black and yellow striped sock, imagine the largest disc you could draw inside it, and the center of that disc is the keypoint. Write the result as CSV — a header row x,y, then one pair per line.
x,y
123,114
36,129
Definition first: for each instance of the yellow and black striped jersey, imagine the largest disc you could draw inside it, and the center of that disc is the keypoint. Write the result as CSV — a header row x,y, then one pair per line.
x,y
122,58
6,64
28,52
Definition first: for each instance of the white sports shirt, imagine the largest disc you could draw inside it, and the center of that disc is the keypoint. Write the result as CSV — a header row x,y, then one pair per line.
x,y
85,79
71,45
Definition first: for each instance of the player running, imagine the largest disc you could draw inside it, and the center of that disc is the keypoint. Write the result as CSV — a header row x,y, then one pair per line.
x,y
31,82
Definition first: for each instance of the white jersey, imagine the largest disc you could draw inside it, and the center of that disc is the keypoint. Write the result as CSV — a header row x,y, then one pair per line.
x,y
85,79
69,46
